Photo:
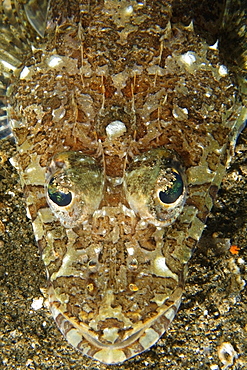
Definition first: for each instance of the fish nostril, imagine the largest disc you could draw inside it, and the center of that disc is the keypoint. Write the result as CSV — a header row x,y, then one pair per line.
x,y
133,264
92,265
133,287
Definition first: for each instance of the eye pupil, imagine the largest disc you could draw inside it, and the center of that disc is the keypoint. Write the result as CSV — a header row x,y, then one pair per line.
x,y
59,197
173,190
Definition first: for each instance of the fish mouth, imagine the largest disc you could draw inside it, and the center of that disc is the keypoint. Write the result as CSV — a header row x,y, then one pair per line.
x,y
117,345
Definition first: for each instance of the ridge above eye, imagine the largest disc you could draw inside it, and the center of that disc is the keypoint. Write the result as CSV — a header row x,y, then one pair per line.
x,y
155,186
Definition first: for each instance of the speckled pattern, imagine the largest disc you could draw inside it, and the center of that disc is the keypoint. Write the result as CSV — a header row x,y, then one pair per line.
x,y
123,134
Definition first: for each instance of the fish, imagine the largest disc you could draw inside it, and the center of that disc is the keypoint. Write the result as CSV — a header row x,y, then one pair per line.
x,y
125,115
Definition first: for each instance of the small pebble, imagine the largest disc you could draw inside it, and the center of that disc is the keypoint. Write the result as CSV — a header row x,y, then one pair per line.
x,y
227,354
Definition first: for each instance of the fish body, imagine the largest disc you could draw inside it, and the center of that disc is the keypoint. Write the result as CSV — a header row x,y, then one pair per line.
x,y
124,119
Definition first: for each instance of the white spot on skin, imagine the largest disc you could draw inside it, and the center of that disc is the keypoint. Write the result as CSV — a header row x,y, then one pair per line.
x,y
143,224
115,129
66,259
223,71
24,73
58,113
130,251
115,181
188,58
54,61
180,113
97,250
129,10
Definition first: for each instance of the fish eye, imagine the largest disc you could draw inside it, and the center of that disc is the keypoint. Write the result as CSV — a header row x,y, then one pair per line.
x,y
170,186
58,193
74,187
155,186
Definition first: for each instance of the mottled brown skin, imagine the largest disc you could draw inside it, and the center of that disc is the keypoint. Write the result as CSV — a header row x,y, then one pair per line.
x,y
116,272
